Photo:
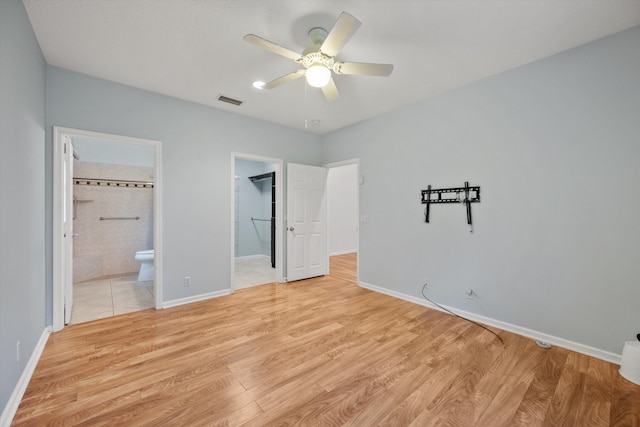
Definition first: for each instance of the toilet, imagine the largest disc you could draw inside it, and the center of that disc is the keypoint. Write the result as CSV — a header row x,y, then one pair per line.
x,y
146,268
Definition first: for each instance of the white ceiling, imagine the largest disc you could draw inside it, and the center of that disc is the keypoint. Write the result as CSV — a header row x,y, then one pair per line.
x,y
193,49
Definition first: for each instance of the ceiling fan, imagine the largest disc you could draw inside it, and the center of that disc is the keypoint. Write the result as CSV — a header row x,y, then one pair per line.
x,y
319,59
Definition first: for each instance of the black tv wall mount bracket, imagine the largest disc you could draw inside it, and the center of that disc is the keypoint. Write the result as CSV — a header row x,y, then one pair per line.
x,y
466,195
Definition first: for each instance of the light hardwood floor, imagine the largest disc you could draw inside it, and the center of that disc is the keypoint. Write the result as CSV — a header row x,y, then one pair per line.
x,y
321,351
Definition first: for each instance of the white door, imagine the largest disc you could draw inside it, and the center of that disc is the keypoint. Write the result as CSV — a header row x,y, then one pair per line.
x,y
69,207
307,251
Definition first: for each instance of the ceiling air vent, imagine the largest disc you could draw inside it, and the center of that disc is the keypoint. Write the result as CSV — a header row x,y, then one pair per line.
x,y
229,100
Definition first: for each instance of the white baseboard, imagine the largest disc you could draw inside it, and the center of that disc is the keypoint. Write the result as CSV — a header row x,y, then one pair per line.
x,y
195,298
536,335
14,401
348,251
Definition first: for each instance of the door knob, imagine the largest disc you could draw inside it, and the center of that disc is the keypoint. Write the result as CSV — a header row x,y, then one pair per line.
x,y
291,228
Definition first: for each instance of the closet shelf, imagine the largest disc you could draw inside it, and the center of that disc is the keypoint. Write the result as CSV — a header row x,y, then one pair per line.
x,y
261,177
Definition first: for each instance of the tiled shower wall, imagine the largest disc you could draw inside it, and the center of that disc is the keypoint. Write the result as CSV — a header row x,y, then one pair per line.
x,y
104,248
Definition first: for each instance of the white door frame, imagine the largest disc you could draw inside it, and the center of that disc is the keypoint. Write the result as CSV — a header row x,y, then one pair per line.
x,y
356,162
58,239
279,222
67,225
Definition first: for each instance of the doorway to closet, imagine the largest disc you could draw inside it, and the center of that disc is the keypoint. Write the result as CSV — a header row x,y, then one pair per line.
x,y
256,252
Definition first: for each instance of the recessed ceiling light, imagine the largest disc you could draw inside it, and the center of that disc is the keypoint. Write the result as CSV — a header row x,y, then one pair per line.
x,y
258,84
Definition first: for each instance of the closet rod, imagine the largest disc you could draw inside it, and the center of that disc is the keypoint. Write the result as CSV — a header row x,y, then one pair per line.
x,y
259,219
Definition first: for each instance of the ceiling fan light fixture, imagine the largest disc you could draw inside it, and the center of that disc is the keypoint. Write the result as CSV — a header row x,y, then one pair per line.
x,y
318,60
318,75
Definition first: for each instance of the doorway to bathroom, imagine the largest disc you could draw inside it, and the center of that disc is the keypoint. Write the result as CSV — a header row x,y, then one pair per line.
x,y
106,211
256,211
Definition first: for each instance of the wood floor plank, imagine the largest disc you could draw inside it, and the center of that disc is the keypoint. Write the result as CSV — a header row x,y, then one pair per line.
x,y
504,404
414,406
456,403
377,413
536,401
595,406
568,396
321,351
625,403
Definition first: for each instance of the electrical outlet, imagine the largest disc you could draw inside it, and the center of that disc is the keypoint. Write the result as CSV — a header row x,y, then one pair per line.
x,y
187,280
18,351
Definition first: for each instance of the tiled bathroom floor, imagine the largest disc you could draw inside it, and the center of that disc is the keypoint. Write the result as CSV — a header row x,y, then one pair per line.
x,y
110,297
253,271
101,298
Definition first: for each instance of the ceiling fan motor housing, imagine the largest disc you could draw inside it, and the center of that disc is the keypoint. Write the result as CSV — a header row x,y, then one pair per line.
x,y
318,35
317,58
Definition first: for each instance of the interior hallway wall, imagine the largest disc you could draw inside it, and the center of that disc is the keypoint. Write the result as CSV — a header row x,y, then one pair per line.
x,y
554,147
22,192
342,191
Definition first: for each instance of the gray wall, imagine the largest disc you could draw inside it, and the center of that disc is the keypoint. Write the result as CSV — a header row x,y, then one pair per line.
x,y
555,147
22,178
197,142
111,152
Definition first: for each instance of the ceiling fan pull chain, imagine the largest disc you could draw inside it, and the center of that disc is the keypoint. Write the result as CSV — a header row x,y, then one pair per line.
x,y
306,118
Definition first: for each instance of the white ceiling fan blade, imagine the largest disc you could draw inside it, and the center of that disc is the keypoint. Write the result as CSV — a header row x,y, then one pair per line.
x,y
330,91
272,47
284,79
344,28
363,69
